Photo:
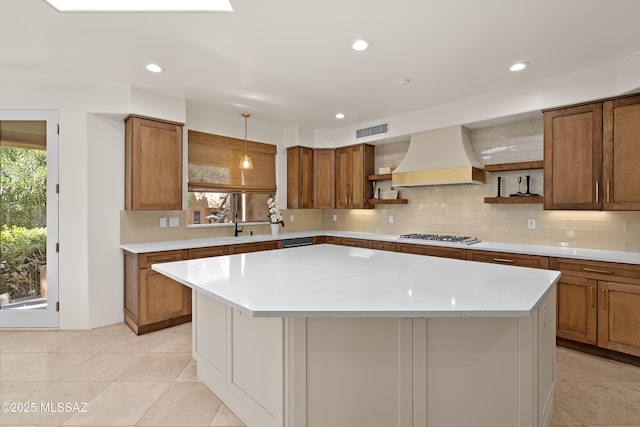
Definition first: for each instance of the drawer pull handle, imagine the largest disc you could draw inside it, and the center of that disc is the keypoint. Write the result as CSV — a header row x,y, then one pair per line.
x,y
510,261
595,270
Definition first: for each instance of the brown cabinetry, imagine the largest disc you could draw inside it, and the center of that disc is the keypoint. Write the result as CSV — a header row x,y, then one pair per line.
x,y
591,154
504,258
324,171
353,165
383,246
153,301
299,178
439,251
598,304
244,248
347,241
208,252
153,164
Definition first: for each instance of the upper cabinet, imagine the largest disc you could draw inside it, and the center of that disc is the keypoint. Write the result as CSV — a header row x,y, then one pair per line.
x,y
153,164
300,177
591,154
353,165
324,166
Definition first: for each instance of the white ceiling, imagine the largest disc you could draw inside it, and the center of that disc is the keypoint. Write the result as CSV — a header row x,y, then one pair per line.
x,y
290,61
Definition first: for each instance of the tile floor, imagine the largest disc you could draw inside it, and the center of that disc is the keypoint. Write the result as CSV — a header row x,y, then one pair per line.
x,y
150,380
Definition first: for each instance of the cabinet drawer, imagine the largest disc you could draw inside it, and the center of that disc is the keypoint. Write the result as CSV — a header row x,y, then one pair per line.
x,y
145,260
208,252
356,243
244,248
506,258
384,246
317,240
597,269
440,251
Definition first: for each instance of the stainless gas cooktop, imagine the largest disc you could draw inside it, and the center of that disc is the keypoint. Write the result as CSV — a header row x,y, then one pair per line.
x,y
461,240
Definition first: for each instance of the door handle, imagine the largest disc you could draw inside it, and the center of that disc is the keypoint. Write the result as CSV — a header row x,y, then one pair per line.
x,y
593,296
597,195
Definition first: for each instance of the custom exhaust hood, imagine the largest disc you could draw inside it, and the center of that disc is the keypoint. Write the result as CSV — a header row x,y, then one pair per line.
x,y
439,157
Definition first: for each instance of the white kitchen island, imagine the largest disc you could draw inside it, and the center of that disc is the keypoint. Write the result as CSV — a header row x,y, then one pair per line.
x,y
328,335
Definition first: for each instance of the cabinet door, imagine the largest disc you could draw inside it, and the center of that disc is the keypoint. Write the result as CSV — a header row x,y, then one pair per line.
x,y
619,317
324,178
153,175
162,299
573,158
208,252
299,178
356,243
621,122
343,174
576,309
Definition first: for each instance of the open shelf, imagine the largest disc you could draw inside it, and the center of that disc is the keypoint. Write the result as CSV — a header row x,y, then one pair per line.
x,y
514,200
383,177
502,167
387,201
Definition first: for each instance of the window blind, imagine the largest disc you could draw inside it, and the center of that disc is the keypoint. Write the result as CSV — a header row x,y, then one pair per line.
x,y
213,164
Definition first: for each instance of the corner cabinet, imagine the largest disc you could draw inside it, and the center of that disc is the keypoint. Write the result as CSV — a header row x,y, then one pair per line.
x,y
300,182
153,164
324,178
591,153
353,165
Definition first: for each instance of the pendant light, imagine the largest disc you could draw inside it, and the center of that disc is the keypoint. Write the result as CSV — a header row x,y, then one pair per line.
x,y
245,160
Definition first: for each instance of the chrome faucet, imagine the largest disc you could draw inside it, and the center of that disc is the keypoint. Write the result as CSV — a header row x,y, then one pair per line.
x,y
236,231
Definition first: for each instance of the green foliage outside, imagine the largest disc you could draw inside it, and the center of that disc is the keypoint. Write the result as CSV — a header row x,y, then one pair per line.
x,y
23,234
23,253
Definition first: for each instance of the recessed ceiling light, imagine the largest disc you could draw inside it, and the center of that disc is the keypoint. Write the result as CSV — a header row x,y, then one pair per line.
x,y
360,45
404,81
519,66
154,68
340,116
141,5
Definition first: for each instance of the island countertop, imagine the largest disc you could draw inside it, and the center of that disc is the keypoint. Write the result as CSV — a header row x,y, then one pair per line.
x,y
338,281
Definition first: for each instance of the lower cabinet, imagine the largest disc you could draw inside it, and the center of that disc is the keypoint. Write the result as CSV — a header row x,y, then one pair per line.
x,y
153,301
244,248
505,258
347,241
597,304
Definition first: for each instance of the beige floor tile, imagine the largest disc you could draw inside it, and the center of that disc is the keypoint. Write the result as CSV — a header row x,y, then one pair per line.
x,y
121,403
562,417
575,366
46,396
12,362
131,343
39,341
600,403
48,367
157,367
188,374
191,404
224,417
178,342
103,367
88,342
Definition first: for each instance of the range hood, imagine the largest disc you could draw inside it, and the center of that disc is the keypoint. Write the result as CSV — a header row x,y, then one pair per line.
x,y
439,157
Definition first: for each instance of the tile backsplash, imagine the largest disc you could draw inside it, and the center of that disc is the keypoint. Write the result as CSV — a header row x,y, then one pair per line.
x,y
447,209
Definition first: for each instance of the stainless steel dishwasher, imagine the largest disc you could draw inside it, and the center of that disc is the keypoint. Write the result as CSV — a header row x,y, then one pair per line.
x,y
300,241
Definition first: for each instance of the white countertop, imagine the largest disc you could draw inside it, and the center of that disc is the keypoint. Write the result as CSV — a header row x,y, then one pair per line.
x,y
578,253
339,281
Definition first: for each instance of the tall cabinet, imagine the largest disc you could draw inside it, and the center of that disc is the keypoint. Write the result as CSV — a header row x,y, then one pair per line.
x,y
324,187
353,165
591,153
153,164
300,176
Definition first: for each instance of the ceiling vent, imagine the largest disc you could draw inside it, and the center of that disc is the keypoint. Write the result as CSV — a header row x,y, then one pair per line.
x,y
372,131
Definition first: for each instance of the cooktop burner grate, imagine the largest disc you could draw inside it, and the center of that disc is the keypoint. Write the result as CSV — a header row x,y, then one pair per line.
x,y
463,240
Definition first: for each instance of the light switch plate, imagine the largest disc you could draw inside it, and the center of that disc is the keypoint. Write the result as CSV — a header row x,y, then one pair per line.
x,y
390,219
163,222
335,217
292,218
174,222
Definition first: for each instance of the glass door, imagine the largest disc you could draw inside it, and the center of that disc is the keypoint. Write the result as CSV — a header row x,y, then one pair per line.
x,y
28,218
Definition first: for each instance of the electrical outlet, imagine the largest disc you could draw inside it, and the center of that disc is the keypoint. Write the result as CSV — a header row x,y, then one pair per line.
x,y
163,222
174,222
292,218
335,217
390,219
531,224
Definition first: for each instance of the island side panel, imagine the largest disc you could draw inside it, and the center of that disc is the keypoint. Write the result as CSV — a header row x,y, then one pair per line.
x,y
546,356
358,372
